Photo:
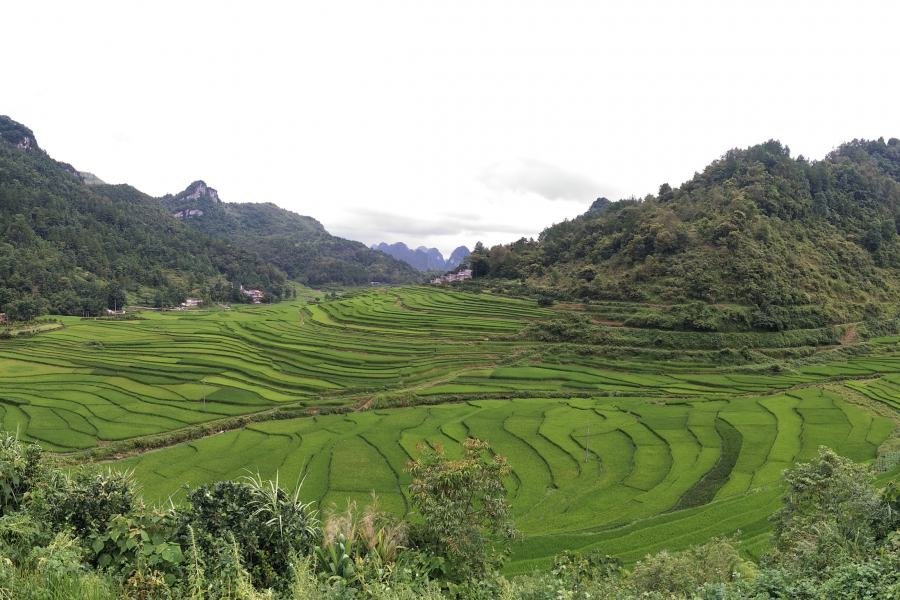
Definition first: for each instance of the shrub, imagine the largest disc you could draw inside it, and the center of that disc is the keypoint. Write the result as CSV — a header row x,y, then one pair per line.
x,y
87,499
137,541
394,401
21,467
683,572
266,523
575,570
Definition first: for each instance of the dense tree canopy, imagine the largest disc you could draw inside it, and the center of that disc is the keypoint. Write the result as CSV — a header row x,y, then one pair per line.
x,y
756,228
297,244
69,248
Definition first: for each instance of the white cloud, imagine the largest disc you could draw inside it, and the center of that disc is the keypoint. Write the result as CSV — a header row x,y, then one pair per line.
x,y
527,175
399,106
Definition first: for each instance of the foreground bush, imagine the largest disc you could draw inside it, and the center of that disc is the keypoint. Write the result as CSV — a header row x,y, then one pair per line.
x,y
262,520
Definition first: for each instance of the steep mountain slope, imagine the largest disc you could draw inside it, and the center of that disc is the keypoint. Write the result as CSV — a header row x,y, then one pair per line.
x,y
66,247
756,228
297,244
422,258
456,257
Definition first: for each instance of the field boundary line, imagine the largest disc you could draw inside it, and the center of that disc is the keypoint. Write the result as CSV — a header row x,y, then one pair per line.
x,y
120,449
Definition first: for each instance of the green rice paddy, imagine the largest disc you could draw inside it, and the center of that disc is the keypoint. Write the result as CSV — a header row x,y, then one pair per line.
x,y
631,456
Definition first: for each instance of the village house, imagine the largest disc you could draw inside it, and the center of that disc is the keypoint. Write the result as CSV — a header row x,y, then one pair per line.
x,y
193,302
2,317
256,295
463,274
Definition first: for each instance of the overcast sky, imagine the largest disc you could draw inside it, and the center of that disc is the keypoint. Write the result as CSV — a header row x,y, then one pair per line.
x,y
440,123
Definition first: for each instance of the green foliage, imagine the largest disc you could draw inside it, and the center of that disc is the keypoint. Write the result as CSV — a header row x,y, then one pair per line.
x,y
87,499
363,549
575,571
21,468
51,569
298,245
139,539
394,401
756,228
69,248
682,573
567,327
261,519
830,514
545,299
462,503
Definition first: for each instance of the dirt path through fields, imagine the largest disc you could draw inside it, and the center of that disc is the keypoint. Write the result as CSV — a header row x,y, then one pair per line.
x,y
848,336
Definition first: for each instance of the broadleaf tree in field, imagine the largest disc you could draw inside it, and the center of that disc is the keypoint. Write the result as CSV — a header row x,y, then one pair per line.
x,y
464,506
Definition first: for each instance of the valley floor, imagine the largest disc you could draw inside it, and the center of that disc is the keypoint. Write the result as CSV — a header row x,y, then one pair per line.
x,y
625,448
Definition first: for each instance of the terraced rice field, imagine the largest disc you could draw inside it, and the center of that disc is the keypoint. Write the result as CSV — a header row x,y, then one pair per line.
x,y
151,376
645,457
677,452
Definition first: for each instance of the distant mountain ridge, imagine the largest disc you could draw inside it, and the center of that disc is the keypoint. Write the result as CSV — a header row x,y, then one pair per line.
x,y
422,258
297,244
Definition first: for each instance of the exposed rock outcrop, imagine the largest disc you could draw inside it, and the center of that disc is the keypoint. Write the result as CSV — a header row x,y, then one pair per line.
x,y
184,214
202,189
16,134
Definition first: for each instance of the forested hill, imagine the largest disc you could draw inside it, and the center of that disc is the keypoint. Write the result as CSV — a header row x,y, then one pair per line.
x,y
67,247
297,244
757,227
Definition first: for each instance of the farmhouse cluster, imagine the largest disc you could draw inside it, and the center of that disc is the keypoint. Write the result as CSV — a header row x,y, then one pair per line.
x,y
462,274
255,295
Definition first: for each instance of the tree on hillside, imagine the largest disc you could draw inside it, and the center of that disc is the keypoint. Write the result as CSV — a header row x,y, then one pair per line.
x,y
478,261
115,296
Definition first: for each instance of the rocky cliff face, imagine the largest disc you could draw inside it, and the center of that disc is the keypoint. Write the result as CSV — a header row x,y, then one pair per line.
x,y
184,214
201,190
16,134
197,195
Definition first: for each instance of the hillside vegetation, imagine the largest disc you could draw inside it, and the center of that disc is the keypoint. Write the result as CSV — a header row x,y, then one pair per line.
x,y
69,248
757,228
298,245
